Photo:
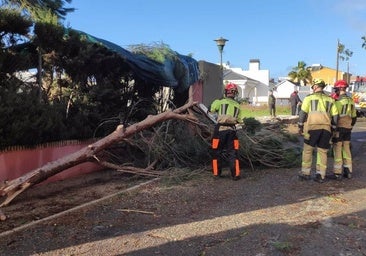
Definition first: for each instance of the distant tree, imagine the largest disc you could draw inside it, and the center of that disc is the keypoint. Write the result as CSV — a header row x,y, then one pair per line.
x,y
300,74
35,8
46,14
14,28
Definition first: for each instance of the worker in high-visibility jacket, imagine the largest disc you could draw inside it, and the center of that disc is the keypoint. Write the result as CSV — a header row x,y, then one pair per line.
x,y
225,142
319,116
342,136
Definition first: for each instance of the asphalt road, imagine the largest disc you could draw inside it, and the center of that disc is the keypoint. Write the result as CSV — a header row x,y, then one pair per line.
x,y
358,136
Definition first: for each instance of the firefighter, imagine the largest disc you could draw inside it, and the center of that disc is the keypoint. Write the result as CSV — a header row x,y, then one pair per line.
x,y
225,143
342,136
319,114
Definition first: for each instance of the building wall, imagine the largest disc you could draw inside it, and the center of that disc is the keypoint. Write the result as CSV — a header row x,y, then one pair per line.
x,y
16,163
284,90
212,83
328,75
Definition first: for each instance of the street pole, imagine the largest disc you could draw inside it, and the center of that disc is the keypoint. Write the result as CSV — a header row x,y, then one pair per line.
x,y
220,45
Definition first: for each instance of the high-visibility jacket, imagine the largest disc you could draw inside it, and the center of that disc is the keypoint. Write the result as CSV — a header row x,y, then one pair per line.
x,y
319,111
347,112
228,110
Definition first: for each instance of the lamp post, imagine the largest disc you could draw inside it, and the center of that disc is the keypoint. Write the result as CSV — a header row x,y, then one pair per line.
x,y
220,44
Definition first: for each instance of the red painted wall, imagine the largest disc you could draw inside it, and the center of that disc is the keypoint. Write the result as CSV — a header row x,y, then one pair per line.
x,y
16,163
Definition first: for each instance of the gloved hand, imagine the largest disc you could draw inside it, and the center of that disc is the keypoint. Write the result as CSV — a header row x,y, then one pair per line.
x,y
301,129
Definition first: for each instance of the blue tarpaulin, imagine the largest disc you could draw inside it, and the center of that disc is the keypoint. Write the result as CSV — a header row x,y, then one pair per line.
x,y
177,71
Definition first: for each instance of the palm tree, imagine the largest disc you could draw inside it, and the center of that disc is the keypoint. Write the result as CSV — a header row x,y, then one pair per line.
x,y
300,74
342,54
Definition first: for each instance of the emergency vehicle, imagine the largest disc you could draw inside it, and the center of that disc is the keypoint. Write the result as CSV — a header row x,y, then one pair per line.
x,y
358,92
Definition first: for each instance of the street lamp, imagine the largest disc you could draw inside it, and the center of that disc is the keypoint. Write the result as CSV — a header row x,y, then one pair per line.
x,y
220,44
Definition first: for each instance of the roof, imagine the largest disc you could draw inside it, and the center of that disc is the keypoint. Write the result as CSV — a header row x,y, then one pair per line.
x,y
231,75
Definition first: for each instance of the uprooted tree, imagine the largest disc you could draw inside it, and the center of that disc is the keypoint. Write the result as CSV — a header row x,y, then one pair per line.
x,y
13,188
266,147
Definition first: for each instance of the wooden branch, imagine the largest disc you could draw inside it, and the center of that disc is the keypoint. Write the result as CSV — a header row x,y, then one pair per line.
x,y
14,187
130,169
138,211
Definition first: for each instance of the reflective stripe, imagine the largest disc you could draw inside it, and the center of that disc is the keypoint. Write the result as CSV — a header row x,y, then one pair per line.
x,y
236,144
328,105
223,109
236,112
215,143
215,167
237,168
314,105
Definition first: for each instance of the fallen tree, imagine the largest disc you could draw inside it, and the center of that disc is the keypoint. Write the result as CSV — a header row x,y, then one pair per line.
x,y
13,188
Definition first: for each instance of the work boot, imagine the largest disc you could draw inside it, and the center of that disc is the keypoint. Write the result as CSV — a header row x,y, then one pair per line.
x,y
318,178
303,177
336,176
236,178
347,173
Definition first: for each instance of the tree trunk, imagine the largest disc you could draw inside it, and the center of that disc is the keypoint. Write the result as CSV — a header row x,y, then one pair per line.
x,y
14,187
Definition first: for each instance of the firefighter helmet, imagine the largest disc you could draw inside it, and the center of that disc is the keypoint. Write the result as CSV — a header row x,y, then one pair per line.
x,y
319,82
340,84
231,87
231,90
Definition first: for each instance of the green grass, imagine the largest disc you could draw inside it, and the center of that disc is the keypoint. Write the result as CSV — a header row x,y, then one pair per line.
x,y
255,111
282,246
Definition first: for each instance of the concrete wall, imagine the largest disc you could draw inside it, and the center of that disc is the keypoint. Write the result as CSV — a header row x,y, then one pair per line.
x,y
212,83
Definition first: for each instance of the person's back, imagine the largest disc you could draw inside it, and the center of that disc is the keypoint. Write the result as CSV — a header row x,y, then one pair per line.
x,y
342,137
347,111
295,102
317,106
228,110
225,138
320,113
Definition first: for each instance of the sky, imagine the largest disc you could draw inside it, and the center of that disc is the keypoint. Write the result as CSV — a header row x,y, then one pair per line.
x,y
277,32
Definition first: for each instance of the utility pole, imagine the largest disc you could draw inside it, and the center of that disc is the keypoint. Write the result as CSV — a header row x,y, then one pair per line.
x,y
343,54
337,65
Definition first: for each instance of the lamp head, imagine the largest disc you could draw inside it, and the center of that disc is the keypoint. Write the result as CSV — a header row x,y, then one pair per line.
x,y
221,43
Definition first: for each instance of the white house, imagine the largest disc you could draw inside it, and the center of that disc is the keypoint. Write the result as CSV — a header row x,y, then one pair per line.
x,y
284,89
247,86
254,82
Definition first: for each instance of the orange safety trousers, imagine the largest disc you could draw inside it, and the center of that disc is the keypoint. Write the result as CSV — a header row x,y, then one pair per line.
x,y
225,146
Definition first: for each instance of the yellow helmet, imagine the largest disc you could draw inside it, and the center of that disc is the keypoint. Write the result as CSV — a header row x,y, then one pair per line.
x,y
319,82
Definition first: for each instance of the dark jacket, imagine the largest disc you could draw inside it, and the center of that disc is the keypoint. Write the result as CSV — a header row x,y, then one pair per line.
x,y
294,99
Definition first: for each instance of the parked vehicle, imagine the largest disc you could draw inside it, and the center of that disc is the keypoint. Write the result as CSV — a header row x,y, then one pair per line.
x,y
358,92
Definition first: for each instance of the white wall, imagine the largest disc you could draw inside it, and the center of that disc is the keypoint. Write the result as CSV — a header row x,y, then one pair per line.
x,y
259,95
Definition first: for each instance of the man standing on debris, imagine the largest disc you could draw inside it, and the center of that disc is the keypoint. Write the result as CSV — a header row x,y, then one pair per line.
x,y
225,143
320,113
295,102
342,136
